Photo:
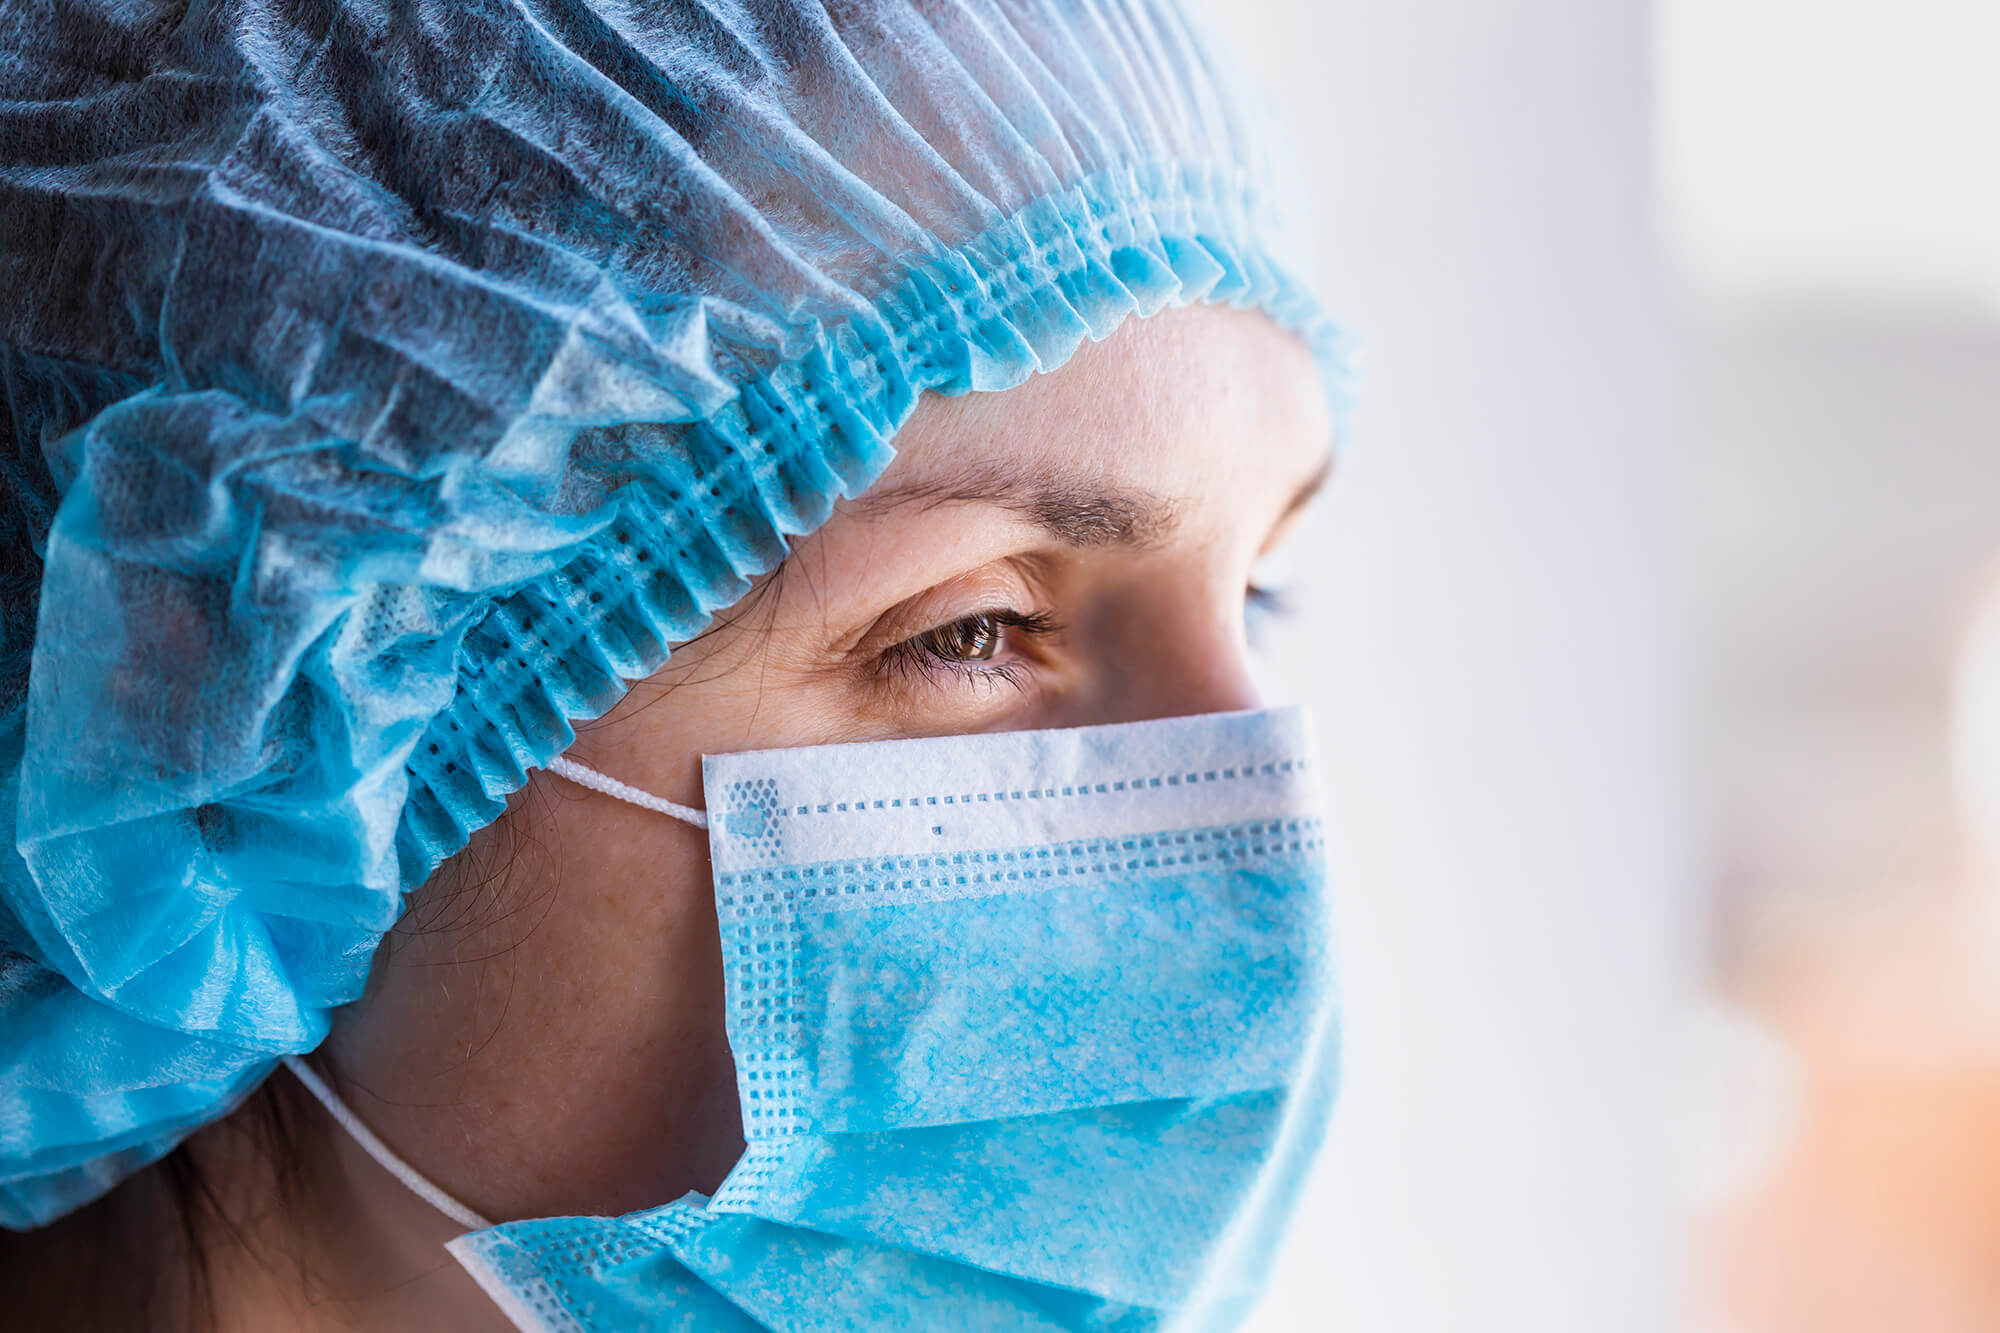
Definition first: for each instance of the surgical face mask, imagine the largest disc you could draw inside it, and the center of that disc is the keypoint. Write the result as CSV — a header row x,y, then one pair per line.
x,y
1032,1030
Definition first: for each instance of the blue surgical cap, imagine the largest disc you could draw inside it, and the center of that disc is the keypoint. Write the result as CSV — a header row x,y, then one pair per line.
x,y
388,384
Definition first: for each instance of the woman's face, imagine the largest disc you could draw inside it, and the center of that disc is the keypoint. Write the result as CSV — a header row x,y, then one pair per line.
x,y
544,1034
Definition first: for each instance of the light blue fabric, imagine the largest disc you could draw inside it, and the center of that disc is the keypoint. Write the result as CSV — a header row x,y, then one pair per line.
x,y
1050,1052
386,385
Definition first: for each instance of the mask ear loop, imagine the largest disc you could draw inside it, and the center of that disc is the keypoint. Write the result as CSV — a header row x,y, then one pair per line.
x,y
612,787
365,1137
380,1151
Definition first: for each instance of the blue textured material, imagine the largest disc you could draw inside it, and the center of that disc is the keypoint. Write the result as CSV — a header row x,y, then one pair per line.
x,y
386,386
1071,1083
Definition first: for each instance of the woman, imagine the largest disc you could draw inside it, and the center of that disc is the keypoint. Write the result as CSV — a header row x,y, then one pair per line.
x,y
390,388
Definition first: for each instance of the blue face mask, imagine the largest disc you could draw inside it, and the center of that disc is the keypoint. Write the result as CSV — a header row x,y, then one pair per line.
x,y
1033,1030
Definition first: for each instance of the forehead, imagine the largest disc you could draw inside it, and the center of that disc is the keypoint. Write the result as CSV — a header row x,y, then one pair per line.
x,y
1198,401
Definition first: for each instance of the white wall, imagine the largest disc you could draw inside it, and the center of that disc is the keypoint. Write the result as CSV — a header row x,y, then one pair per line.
x,y
1838,147
1496,647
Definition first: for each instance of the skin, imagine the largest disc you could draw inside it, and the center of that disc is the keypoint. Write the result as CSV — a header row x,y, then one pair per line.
x,y
544,1034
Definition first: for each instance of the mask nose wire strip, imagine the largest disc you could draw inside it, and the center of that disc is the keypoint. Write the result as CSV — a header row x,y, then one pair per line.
x,y
381,1151
612,787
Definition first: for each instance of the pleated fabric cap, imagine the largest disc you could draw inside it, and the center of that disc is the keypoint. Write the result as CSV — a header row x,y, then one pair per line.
x,y
387,385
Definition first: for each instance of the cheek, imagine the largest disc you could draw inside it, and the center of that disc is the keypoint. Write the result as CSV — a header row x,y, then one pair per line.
x,y
626,1001
755,692
566,1013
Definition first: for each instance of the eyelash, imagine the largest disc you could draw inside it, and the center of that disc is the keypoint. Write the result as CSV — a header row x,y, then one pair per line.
x,y
918,653
1260,600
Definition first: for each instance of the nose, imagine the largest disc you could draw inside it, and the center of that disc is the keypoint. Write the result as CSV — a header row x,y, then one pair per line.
x,y
1196,663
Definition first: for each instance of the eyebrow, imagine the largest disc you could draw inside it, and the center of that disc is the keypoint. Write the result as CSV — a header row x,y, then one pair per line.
x,y
1074,512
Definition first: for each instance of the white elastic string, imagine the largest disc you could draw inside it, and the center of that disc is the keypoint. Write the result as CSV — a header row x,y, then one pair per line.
x,y
380,1151
612,787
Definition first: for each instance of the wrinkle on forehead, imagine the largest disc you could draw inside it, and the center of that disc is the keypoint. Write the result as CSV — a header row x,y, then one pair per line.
x,y
1118,446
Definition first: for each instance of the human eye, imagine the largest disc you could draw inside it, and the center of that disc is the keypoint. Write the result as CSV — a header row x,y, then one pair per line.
x,y
988,647
1268,601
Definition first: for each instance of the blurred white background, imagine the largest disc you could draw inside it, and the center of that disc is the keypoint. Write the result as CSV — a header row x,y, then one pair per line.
x,y
1673,985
